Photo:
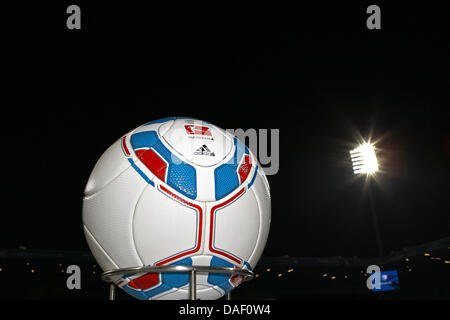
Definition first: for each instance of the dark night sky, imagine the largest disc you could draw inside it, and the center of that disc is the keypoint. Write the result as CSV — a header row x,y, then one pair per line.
x,y
315,72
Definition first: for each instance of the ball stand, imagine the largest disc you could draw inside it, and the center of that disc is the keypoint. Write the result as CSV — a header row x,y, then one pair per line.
x,y
192,270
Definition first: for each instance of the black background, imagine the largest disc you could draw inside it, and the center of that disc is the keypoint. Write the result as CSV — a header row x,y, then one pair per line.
x,y
313,71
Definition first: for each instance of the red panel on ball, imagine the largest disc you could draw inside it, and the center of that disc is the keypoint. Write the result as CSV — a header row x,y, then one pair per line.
x,y
153,162
245,168
145,282
236,279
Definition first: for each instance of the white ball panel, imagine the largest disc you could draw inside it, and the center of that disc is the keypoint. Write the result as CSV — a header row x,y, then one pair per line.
x,y
266,183
108,215
163,226
205,184
262,196
152,126
236,225
185,144
102,258
202,278
164,127
104,261
111,164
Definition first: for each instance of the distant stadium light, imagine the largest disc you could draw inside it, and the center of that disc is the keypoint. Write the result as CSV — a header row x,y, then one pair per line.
x,y
364,159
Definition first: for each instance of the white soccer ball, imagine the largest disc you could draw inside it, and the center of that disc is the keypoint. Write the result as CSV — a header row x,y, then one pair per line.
x,y
177,191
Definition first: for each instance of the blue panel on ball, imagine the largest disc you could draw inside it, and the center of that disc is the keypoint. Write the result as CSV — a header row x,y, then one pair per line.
x,y
220,279
226,176
183,178
226,180
181,175
177,280
254,177
146,139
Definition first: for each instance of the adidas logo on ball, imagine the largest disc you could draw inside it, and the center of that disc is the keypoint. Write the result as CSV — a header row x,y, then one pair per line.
x,y
204,151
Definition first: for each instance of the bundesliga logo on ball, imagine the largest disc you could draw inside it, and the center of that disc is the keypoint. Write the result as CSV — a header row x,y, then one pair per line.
x,y
177,191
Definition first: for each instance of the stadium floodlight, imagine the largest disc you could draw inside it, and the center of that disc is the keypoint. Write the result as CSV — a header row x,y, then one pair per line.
x,y
364,159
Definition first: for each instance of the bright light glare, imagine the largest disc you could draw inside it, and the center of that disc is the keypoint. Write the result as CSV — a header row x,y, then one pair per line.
x,y
364,159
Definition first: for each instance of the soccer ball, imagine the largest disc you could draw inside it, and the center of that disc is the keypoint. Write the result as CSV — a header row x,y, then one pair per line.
x,y
177,191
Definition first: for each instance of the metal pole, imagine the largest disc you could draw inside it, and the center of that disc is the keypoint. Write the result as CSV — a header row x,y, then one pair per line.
x,y
375,222
112,291
193,285
192,270
229,295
